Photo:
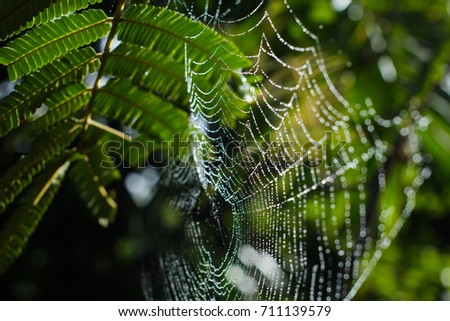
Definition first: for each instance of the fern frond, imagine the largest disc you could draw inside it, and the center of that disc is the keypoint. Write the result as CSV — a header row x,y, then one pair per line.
x,y
38,86
107,175
92,187
14,14
50,41
150,69
93,174
24,220
141,110
168,36
61,105
46,147
56,9
168,32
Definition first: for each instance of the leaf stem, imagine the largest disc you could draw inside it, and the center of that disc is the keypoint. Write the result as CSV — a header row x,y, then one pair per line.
x,y
115,21
110,130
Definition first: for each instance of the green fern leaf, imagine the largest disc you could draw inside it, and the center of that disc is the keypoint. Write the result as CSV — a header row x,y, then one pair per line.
x,y
141,110
93,174
14,14
97,159
46,147
92,188
24,220
56,9
53,40
37,87
150,69
60,105
169,32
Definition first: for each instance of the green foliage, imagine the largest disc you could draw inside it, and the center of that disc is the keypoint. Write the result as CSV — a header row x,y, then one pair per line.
x,y
29,212
61,91
91,188
150,69
49,145
52,40
38,86
25,14
15,14
414,34
149,114
61,105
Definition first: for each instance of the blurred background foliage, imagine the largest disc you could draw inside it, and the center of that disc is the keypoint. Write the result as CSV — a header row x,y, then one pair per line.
x,y
395,52
398,53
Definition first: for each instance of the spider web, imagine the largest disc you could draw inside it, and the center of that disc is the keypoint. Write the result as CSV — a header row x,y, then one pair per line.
x,y
287,192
